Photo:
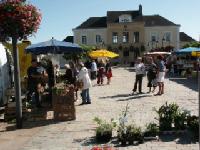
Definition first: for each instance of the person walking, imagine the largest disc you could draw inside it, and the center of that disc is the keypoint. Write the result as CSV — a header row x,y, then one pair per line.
x,y
140,71
160,75
109,75
93,70
108,71
83,77
100,73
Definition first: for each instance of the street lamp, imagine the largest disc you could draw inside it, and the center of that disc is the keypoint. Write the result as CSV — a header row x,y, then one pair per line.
x,y
163,39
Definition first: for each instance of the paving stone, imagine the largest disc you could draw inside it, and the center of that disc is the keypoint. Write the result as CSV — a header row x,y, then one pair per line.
x,y
108,101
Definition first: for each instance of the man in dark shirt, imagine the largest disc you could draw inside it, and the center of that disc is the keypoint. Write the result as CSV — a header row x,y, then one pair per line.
x,y
33,82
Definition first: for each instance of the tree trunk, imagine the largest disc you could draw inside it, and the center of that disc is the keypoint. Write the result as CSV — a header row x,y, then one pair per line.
x,y
17,84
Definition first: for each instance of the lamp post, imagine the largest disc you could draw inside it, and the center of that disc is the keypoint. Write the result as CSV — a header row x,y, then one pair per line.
x,y
163,39
151,42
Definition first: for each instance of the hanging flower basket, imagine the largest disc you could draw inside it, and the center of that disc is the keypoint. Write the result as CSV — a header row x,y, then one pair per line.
x,y
18,19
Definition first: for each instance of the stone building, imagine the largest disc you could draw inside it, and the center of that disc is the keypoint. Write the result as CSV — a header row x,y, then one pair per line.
x,y
128,33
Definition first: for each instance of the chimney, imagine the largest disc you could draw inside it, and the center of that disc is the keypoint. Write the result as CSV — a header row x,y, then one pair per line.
x,y
140,10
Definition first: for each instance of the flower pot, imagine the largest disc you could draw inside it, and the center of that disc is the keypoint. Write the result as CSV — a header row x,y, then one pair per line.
x,y
165,124
104,136
179,124
150,134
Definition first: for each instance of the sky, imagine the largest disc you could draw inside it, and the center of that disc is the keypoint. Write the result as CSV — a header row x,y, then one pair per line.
x,y
59,17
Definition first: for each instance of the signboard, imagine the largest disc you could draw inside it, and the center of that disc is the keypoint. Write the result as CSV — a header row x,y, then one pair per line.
x,y
24,59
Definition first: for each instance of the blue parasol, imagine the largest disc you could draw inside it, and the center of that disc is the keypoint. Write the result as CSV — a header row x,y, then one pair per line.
x,y
187,50
53,46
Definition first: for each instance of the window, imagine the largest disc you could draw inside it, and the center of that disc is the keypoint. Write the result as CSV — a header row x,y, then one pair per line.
x,y
167,36
115,37
136,37
125,18
98,39
125,38
84,40
153,37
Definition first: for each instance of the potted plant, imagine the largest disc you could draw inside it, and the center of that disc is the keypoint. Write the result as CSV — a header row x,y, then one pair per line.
x,y
180,120
193,126
104,130
134,134
166,116
122,127
152,131
122,135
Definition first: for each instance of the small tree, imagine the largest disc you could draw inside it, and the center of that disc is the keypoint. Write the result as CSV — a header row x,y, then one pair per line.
x,y
192,44
17,20
79,56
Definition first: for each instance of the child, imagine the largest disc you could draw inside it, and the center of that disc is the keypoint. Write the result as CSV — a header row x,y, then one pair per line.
x,y
109,75
100,74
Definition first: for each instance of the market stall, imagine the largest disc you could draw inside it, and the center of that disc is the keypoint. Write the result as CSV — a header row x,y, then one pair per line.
x,y
61,93
186,64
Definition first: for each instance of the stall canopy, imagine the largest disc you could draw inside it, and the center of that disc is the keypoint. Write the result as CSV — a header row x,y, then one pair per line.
x,y
187,50
157,53
102,53
53,46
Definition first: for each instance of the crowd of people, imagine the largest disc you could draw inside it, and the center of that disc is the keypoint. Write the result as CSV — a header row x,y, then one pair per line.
x,y
154,69
80,74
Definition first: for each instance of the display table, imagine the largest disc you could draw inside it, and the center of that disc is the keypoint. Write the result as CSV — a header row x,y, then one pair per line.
x,y
63,102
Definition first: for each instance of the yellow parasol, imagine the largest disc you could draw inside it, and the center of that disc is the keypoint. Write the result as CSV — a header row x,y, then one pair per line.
x,y
103,53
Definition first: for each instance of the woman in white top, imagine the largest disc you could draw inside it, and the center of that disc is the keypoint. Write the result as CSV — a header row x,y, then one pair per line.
x,y
83,76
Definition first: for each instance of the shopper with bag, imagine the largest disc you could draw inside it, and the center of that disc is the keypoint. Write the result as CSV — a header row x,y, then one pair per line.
x,y
83,77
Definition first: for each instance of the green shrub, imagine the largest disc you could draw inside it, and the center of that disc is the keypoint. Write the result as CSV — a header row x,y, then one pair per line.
x,y
104,130
151,130
166,115
193,126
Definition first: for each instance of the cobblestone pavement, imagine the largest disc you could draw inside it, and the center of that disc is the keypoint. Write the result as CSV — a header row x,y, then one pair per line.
x,y
108,101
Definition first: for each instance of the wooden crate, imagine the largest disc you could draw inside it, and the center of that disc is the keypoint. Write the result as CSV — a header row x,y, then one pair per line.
x,y
64,116
62,99
63,107
64,112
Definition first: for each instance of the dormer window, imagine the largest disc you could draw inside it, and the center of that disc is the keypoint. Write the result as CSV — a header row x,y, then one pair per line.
x,y
125,18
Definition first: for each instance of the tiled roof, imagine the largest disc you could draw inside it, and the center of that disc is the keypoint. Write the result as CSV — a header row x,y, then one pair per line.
x,y
94,22
113,16
155,20
185,38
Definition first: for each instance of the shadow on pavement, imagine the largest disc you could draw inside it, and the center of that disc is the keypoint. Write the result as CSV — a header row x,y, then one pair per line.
x,y
178,138
115,96
29,125
190,83
126,96
134,97
130,69
87,142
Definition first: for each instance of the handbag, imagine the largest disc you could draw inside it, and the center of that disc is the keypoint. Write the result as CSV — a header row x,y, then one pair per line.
x,y
79,84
